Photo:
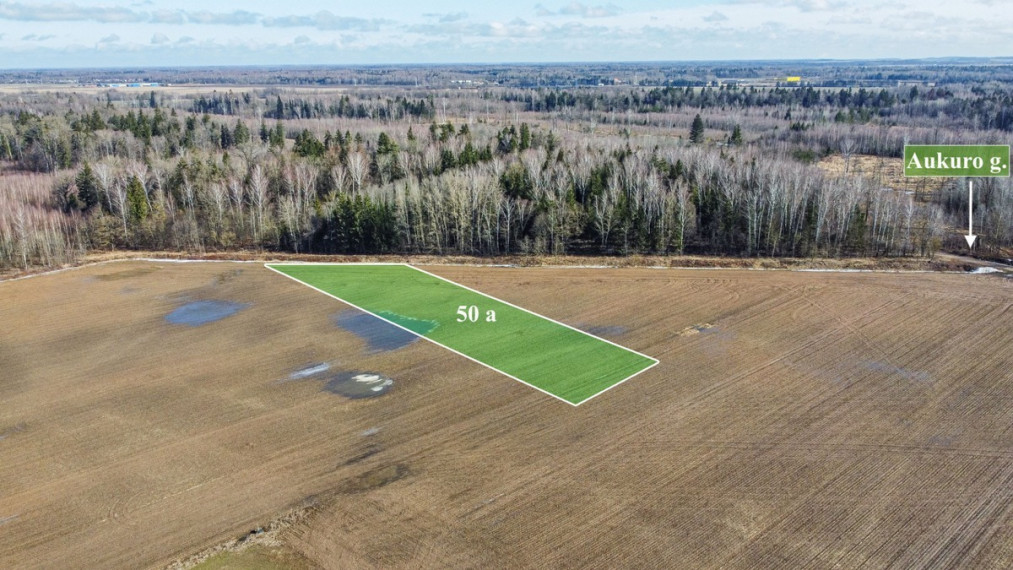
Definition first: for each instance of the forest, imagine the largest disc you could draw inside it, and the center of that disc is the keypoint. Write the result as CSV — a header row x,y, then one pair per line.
x,y
726,169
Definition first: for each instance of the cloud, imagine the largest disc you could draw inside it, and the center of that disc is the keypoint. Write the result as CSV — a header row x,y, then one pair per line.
x,y
542,11
578,32
446,18
110,39
448,29
168,17
236,18
802,5
158,39
179,17
516,28
715,16
300,40
815,5
454,17
324,20
67,12
70,12
37,37
584,11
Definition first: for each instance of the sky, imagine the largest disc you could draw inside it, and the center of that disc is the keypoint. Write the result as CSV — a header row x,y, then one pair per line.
x,y
191,33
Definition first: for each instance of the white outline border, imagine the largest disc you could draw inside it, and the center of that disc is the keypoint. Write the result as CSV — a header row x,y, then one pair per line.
x,y
906,175
656,361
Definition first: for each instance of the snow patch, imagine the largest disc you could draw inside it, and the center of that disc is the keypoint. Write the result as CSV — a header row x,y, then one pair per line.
x,y
309,371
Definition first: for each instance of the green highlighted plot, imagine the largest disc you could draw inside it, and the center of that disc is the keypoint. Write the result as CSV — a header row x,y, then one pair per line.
x,y
569,364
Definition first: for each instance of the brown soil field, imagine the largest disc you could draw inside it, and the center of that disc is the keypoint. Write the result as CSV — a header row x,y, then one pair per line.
x,y
811,420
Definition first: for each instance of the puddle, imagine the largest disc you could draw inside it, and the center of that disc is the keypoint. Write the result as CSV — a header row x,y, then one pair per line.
x,y
891,370
355,385
417,326
309,371
200,313
380,336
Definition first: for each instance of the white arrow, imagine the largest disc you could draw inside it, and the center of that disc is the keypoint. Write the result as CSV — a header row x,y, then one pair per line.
x,y
970,237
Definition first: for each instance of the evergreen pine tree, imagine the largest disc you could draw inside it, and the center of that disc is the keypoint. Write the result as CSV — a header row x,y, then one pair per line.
x,y
696,131
277,137
525,142
240,133
87,187
226,137
736,138
136,200
385,145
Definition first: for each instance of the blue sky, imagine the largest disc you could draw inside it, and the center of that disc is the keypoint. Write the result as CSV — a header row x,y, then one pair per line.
x,y
160,33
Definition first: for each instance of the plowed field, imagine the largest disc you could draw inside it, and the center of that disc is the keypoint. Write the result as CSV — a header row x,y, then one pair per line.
x,y
795,420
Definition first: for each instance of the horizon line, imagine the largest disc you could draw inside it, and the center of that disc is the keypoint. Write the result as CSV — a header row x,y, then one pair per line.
x,y
1004,59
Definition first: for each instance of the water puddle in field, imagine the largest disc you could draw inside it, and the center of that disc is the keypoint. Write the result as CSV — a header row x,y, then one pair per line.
x,y
891,370
200,313
380,336
355,385
417,326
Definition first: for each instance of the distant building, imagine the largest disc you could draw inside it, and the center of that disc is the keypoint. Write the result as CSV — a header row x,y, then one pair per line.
x,y
793,79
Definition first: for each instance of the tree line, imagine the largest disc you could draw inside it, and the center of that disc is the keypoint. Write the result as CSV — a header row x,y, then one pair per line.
x,y
257,170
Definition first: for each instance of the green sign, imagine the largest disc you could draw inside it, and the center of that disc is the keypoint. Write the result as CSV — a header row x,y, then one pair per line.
x,y
956,160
